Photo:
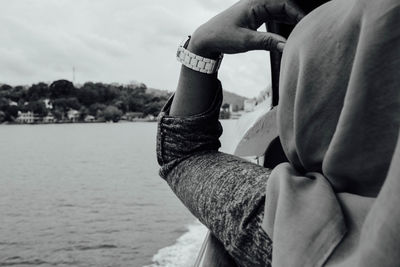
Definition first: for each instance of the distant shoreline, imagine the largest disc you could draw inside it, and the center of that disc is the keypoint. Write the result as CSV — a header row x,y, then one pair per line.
x,y
83,122
78,122
64,102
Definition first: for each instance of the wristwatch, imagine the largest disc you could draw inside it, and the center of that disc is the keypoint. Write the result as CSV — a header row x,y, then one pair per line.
x,y
195,62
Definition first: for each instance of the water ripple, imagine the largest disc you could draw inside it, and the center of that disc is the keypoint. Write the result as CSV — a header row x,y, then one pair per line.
x,y
102,246
84,248
9,243
18,261
22,262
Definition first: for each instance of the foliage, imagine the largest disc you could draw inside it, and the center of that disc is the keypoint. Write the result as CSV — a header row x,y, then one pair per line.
x,y
37,107
11,113
2,116
104,101
62,88
65,104
37,91
112,113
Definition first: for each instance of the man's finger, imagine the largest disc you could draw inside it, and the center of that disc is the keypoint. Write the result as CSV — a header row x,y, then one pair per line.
x,y
284,12
265,41
293,12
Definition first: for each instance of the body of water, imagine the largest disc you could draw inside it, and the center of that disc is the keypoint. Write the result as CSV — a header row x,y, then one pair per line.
x,y
90,195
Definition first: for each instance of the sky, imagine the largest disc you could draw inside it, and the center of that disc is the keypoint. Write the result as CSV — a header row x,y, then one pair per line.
x,y
120,41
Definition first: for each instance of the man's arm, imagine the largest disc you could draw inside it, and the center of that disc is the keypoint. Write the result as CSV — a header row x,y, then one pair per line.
x,y
232,31
224,192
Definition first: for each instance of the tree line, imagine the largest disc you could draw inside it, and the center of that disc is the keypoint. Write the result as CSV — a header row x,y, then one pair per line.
x,y
103,101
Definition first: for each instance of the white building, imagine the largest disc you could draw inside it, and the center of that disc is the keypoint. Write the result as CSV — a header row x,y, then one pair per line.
x,y
49,118
90,118
73,115
48,104
26,117
249,105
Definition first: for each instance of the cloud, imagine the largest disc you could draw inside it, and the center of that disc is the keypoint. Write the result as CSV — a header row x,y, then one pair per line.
x,y
112,41
216,5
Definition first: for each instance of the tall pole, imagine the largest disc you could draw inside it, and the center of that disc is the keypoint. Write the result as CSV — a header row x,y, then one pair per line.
x,y
73,74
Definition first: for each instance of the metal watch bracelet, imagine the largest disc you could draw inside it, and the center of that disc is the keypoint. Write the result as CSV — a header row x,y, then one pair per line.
x,y
195,62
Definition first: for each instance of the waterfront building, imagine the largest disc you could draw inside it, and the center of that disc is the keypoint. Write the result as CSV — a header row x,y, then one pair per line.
x,y
150,117
73,115
49,118
249,105
90,118
129,116
25,117
48,104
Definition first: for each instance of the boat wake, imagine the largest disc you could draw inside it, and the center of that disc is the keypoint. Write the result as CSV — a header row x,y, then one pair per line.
x,y
184,252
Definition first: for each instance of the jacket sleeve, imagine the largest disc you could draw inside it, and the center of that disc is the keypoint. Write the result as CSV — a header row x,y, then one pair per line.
x,y
224,192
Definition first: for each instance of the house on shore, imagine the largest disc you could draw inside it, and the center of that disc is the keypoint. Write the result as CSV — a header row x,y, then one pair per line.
x,y
73,115
130,116
89,118
26,117
48,103
249,105
150,117
49,118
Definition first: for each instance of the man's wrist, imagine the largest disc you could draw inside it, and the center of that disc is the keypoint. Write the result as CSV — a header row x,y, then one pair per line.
x,y
194,55
198,46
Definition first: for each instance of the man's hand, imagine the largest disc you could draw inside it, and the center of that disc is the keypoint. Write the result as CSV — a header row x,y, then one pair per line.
x,y
232,31
235,29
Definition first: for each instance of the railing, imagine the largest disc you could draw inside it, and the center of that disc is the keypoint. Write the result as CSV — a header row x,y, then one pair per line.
x,y
213,254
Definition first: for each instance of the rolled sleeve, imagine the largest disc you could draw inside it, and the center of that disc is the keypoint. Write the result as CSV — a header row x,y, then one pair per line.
x,y
181,137
224,192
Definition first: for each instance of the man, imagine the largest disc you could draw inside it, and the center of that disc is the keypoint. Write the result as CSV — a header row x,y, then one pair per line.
x,y
338,122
